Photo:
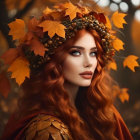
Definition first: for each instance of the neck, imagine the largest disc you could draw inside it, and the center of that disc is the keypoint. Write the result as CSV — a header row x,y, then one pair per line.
x,y
72,91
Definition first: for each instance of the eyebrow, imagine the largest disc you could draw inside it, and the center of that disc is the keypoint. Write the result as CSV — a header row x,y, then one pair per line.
x,y
81,48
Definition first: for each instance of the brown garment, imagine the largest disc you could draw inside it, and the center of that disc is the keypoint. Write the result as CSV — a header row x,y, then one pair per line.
x,y
15,130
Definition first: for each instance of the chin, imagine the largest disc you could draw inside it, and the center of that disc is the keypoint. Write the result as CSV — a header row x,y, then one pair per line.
x,y
85,84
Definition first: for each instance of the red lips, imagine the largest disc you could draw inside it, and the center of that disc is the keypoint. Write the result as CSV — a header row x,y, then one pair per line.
x,y
86,75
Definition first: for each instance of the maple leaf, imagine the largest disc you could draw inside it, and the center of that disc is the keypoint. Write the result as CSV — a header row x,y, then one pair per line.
x,y
108,23
17,29
10,55
71,10
37,47
20,69
118,44
47,11
4,84
124,96
118,19
112,65
53,27
131,62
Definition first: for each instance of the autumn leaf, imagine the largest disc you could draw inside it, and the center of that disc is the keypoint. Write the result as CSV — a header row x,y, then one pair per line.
x,y
124,96
4,84
17,29
47,11
108,23
53,27
71,10
118,44
20,69
37,47
131,62
112,65
118,19
10,55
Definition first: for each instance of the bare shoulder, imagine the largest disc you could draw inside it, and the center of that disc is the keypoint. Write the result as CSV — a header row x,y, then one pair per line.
x,y
46,127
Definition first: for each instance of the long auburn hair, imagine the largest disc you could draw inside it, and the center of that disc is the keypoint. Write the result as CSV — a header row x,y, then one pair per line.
x,y
91,118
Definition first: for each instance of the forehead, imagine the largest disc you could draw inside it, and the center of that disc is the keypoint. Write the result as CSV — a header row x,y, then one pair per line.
x,y
86,41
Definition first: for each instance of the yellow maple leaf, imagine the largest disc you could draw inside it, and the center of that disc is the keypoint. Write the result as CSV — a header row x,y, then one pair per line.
x,y
124,96
118,44
130,62
108,23
20,69
53,27
47,11
112,65
71,10
118,19
17,29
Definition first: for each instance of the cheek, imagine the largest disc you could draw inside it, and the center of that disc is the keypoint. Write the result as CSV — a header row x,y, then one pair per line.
x,y
70,66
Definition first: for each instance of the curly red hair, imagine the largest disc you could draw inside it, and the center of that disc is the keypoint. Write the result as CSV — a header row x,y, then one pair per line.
x,y
91,118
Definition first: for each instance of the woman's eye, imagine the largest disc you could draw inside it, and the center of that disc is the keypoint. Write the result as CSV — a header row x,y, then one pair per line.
x,y
75,52
93,53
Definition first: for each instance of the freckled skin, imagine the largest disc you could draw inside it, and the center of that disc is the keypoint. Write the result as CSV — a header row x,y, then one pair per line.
x,y
80,61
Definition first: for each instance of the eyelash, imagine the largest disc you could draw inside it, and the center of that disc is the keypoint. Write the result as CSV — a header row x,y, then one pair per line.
x,y
72,52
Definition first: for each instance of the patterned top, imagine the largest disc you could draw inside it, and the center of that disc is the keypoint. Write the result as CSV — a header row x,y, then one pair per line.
x,y
46,127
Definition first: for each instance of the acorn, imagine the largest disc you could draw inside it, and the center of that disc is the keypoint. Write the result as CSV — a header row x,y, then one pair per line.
x,y
73,24
46,45
50,42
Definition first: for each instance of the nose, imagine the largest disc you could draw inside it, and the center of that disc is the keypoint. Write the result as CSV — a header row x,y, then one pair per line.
x,y
87,61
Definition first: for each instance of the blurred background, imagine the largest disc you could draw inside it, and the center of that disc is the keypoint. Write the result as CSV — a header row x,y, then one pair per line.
x,y
130,35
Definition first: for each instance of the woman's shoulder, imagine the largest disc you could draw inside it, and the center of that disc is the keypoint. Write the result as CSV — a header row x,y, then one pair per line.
x,y
46,127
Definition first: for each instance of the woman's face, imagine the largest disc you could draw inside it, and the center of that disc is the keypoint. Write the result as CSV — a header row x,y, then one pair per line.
x,y
81,58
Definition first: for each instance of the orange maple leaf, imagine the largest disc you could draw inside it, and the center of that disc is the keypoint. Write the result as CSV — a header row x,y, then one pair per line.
x,y
4,84
53,27
71,10
37,47
131,62
17,29
118,44
118,19
10,55
108,23
47,11
124,96
20,69
112,65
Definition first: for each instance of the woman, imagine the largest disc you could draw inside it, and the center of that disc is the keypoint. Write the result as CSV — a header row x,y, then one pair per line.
x,y
69,96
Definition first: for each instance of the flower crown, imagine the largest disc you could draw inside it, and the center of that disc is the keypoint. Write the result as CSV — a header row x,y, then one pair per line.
x,y
53,28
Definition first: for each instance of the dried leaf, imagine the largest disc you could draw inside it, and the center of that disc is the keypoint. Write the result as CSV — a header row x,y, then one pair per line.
x,y
118,19
10,55
20,69
112,65
17,29
131,62
118,44
108,23
124,96
37,47
33,27
47,11
71,10
4,84
53,27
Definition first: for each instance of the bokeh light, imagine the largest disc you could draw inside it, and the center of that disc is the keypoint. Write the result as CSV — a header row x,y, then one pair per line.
x,y
135,2
102,3
117,1
114,7
124,6
137,15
